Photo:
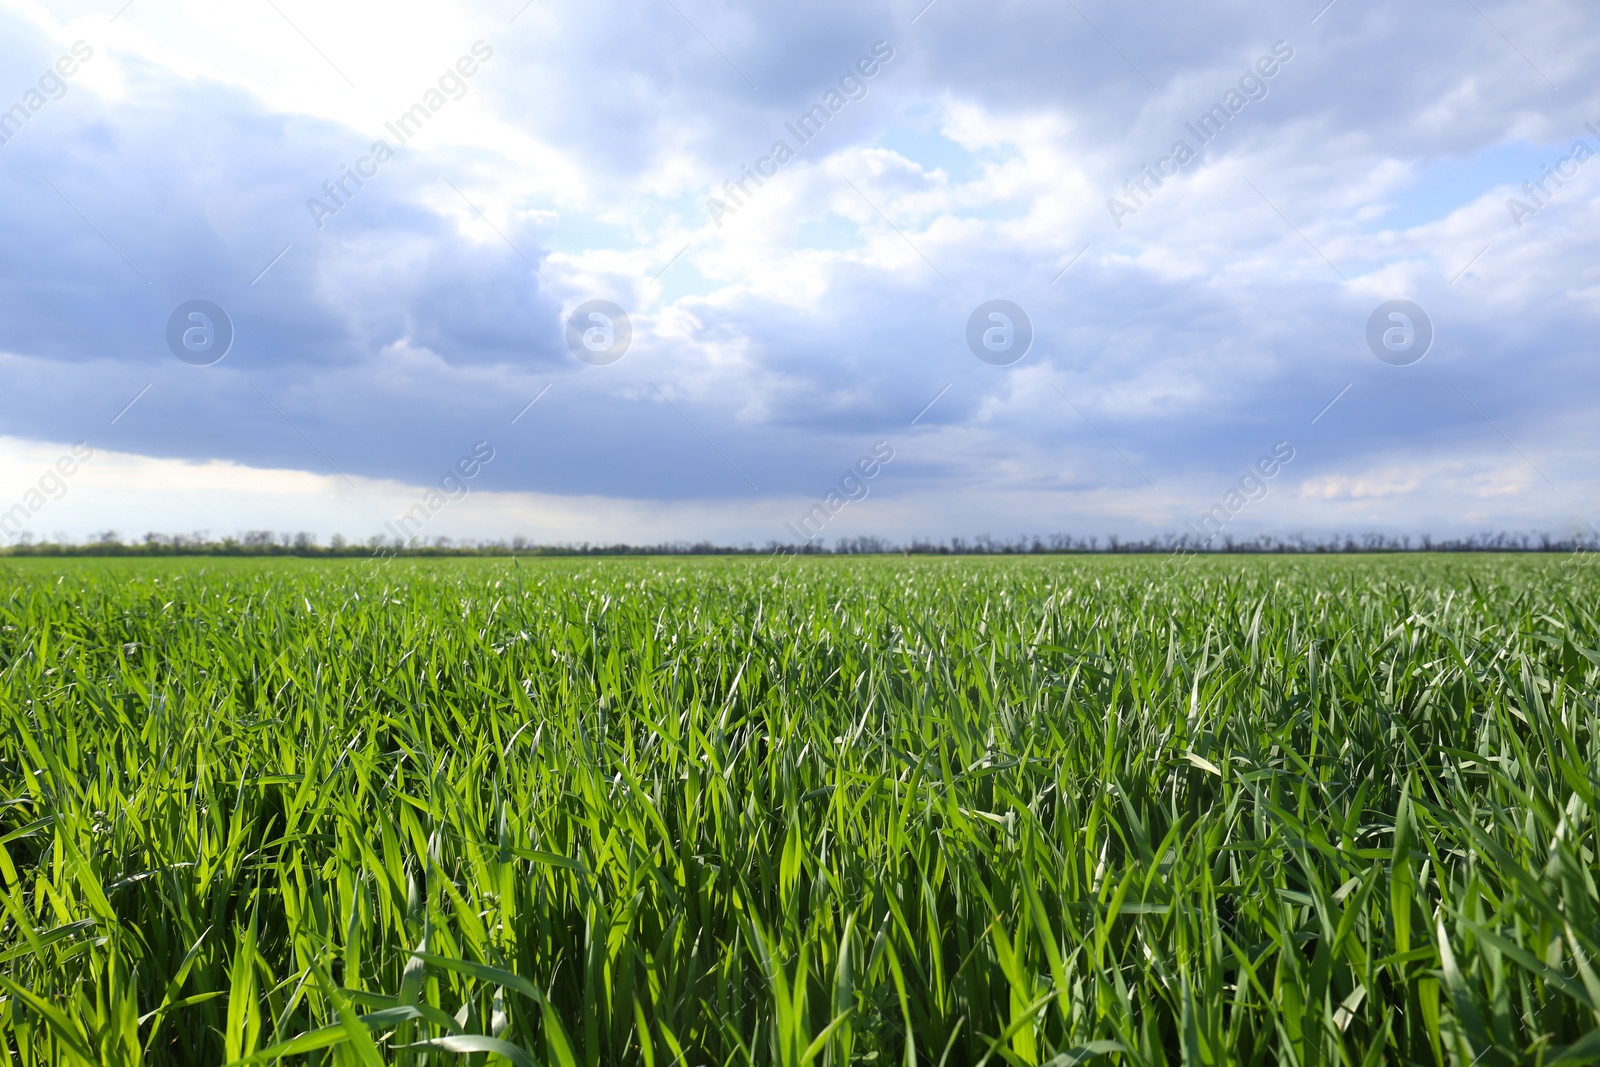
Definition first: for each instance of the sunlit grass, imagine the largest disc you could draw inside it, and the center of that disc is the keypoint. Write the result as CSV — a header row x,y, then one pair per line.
x,y
895,811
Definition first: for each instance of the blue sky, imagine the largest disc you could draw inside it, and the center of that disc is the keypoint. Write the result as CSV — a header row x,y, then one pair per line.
x,y
588,155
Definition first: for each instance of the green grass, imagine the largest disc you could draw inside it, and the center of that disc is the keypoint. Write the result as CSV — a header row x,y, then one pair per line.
x,y
1299,811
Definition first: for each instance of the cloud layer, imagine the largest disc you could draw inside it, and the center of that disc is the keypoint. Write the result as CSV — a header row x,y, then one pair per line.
x,y
789,309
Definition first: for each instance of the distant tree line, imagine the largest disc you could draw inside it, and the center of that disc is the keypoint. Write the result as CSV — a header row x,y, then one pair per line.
x,y
269,543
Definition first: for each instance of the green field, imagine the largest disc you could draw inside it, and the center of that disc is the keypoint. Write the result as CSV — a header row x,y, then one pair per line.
x,y
1051,810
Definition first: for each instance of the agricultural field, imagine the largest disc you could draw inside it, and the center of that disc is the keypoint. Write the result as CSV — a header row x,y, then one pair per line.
x,y
840,810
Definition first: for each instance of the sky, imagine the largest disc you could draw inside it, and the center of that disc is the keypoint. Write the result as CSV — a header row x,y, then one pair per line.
x,y
687,269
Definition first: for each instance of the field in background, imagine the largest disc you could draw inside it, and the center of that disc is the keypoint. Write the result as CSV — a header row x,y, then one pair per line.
x,y
1263,810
